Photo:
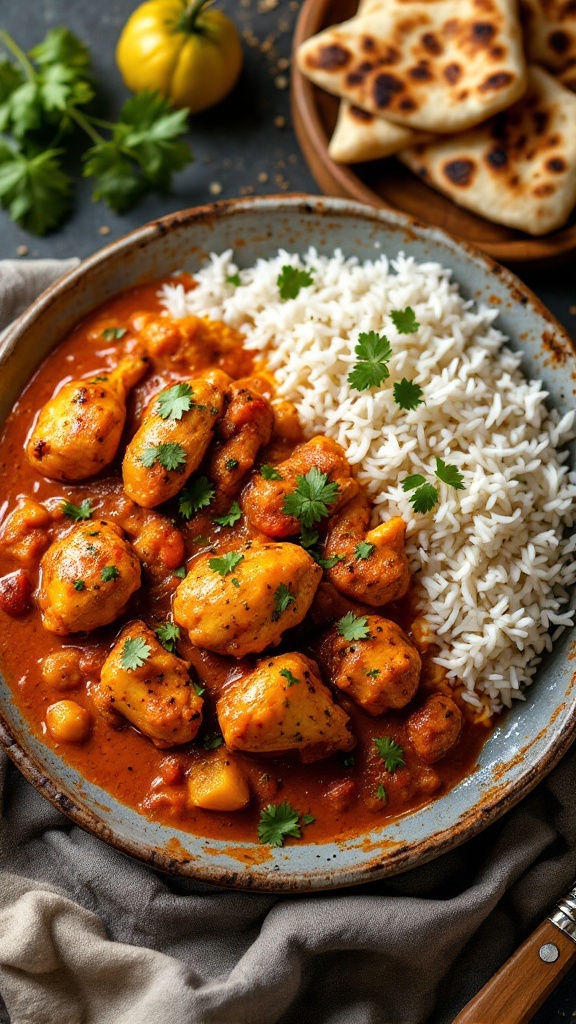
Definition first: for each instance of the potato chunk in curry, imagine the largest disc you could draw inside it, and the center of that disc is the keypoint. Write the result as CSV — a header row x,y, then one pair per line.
x,y
87,578
171,441
156,694
283,705
79,429
378,673
244,601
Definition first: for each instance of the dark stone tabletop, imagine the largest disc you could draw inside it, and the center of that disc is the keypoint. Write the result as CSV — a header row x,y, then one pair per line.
x,y
246,146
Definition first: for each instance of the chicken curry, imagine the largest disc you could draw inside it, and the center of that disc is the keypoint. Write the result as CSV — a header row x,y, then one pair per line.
x,y
195,611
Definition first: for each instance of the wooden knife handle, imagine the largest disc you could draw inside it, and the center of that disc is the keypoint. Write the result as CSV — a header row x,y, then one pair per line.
x,y
520,987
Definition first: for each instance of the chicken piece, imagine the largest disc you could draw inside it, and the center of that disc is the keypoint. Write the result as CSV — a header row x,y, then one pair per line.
x,y
26,532
245,428
87,578
156,695
435,728
283,705
330,604
170,442
243,602
155,539
79,429
263,499
192,343
378,673
218,784
373,567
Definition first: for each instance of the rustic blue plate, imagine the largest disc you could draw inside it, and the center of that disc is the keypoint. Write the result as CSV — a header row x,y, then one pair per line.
x,y
529,740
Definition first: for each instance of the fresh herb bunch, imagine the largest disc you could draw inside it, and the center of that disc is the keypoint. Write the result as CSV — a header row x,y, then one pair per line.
x,y
44,96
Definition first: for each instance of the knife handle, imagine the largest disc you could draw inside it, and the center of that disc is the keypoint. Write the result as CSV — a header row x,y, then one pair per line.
x,y
519,988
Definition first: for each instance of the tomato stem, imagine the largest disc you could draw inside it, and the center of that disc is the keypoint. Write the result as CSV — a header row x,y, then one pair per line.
x,y
190,16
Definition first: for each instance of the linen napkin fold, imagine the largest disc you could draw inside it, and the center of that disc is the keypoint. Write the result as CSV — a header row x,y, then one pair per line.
x,y
88,936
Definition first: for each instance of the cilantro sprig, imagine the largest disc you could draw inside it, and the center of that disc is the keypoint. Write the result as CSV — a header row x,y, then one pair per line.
x,y
309,502
283,598
170,455
78,512
425,495
270,472
363,550
391,753
290,280
353,627
373,352
135,653
230,517
407,394
225,564
404,320
197,494
174,402
278,821
168,634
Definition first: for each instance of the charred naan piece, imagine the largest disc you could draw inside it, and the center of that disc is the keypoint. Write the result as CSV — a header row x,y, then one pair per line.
x,y
438,67
550,36
519,168
360,136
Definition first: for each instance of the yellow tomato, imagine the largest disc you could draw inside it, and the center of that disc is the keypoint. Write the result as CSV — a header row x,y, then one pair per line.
x,y
190,53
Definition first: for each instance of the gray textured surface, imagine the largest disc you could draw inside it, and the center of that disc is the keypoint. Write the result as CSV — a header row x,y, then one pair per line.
x,y
238,148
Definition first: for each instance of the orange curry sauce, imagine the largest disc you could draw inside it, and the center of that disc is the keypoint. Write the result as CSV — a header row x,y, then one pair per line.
x,y
122,761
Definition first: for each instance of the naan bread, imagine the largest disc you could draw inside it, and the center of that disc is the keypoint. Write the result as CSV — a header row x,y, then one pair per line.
x,y
517,169
439,66
360,136
550,35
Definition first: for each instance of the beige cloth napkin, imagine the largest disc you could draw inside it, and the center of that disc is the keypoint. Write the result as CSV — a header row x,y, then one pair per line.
x,y
88,936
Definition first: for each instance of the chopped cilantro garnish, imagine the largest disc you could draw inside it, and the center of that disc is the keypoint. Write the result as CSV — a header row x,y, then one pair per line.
x,y
450,475
390,752
180,572
282,599
198,689
175,401
270,472
309,502
291,679
134,653
232,516
235,582
404,320
212,741
407,394
171,456
78,512
232,464
276,822
168,633
290,280
416,480
348,761
79,585
197,494
373,352
363,550
234,279
109,572
226,563
307,819
114,333
424,497
382,794
353,627
373,673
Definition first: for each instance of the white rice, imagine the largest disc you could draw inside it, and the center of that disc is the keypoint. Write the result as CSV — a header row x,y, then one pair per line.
x,y
493,560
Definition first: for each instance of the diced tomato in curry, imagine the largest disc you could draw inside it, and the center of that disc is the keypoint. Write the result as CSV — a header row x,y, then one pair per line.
x,y
261,660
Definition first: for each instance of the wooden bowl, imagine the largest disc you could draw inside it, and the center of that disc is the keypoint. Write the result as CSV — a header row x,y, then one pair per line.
x,y
387,184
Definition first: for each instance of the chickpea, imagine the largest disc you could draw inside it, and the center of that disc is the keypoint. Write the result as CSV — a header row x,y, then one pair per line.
x,y
62,669
68,722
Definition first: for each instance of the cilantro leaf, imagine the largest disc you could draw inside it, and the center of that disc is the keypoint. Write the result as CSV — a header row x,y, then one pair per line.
x,y
199,690
290,280
119,184
282,599
232,464
309,502
424,498
307,819
353,627
390,752
404,320
114,333
291,679
109,573
407,394
276,822
79,585
197,494
372,673
381,794
373,352
212,741
269,472
168,633
135,653
232,516
33,189
450,475
180,572
77,512
171,456
60,46
174,402
416,480
226,564
363,550
234,279
10,80
325,563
